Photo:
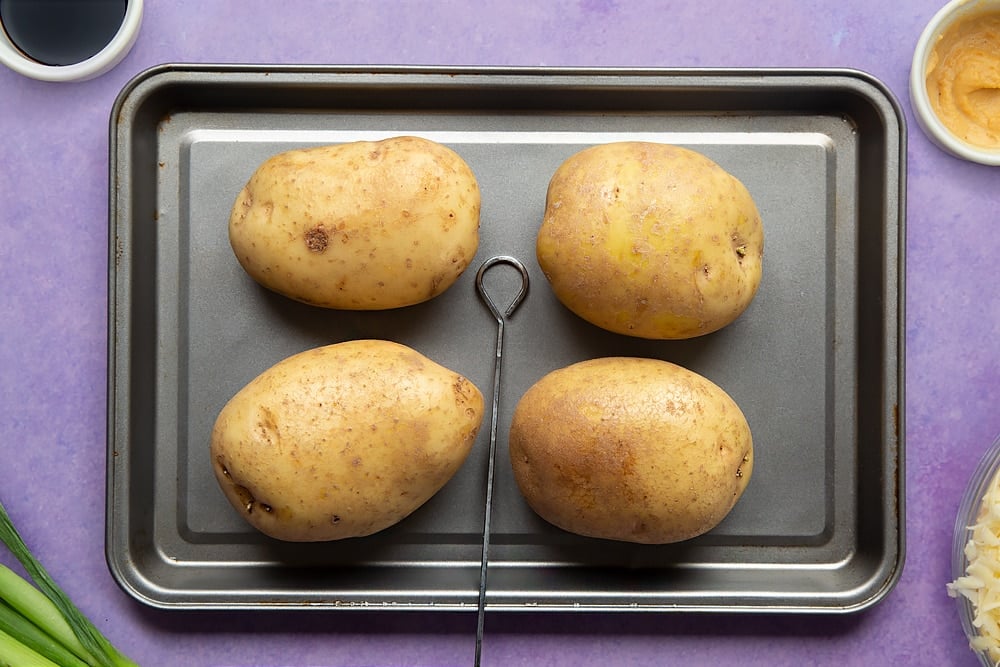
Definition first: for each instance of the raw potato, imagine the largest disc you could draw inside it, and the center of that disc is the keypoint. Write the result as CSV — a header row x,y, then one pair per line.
x,y
650,240
359,226
638,450
343,440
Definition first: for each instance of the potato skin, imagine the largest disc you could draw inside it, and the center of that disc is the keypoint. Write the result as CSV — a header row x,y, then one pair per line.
x,y
650,240
358,226
630,449
343,440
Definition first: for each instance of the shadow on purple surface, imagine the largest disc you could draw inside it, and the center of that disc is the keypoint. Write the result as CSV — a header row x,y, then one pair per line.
x,y
679,624
453,623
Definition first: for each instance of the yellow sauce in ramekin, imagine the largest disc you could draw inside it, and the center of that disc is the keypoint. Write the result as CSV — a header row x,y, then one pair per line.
x,y
963,79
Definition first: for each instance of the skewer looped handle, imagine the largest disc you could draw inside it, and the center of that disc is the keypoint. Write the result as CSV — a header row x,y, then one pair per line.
x,y
488,300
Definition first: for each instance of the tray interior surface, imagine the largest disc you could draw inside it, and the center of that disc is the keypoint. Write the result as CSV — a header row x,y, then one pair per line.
x,y
814,362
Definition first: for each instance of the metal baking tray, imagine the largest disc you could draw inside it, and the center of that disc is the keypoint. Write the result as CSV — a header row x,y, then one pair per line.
x,y
816,362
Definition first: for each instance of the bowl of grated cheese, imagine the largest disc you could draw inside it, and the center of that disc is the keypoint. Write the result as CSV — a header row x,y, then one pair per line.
x,y
975,559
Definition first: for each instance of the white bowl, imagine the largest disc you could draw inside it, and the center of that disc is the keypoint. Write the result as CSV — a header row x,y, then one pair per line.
x,y
98,64
926,118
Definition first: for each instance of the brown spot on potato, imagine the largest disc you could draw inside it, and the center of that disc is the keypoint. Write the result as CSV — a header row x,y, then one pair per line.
x,y
317,239
739,468
268,426
244,497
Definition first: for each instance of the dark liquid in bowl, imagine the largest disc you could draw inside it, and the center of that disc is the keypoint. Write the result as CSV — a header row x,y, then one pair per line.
x,y
61,32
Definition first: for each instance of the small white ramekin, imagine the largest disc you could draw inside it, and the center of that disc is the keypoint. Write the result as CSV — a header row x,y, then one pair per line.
x,y
98,64
926,118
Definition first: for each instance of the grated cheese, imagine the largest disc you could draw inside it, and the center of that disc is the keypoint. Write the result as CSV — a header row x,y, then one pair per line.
x,y
981,583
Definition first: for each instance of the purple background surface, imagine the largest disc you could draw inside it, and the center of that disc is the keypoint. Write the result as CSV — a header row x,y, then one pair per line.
x,y
53,337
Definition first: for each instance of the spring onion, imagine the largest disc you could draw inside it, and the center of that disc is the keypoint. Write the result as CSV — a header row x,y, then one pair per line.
x,y
30,635
15,654
34,607
51,611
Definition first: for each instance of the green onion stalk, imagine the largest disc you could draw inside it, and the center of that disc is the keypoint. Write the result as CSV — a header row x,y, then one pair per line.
x,y
39,625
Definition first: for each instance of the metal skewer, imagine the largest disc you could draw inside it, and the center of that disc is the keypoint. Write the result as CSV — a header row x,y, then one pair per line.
x,y
500,317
